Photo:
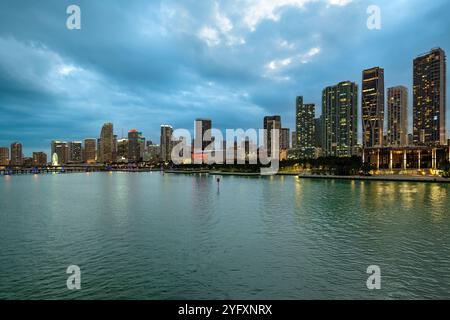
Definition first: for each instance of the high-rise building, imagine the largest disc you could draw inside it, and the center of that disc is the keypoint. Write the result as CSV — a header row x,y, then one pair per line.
x,y
152,152
410,139
397,109
114,148
39,159
305,115
107,143
271,123
4,156
27,162
16,154
90,152
75,152
166,143
60,152
142,147
203,136
318,132
99,146
122,150
373,107
340,119
136,146
294,139
429,98
285,139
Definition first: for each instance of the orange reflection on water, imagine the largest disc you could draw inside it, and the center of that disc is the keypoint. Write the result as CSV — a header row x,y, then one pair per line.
x,y
437,198
298,190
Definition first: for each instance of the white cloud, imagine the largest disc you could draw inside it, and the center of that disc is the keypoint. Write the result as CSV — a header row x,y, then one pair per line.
x,y
276,69
277,64
339,2
222,21
210,36
66,69
306,58
259,10
221,31
286,45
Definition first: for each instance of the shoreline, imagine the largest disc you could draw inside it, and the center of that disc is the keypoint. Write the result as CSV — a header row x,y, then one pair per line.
x,y
379,178
387,178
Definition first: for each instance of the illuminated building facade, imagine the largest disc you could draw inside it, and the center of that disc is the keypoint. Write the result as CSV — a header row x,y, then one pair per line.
x,y
340,119
90,151
4,156
397,110
39,159
410,159
305,116
75,152
106,146
373,107
136,146
166,143
16,154
61,150
429,98
122,150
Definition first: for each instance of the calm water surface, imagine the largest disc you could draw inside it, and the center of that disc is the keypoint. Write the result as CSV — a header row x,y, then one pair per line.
x,y
154,236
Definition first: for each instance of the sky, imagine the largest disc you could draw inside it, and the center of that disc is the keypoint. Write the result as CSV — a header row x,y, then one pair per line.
x,y
140,64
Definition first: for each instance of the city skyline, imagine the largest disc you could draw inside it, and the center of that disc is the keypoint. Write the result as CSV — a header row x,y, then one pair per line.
x,y
43,99
383,112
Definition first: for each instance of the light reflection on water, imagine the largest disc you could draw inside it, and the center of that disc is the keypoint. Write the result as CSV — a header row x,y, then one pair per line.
x,y
153,236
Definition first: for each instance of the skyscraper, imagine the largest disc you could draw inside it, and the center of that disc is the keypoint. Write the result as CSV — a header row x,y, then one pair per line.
x,y
340,119
107,143
75,152
397,109
90,152
305,115
4,156
271,123
318,132
285,139
39,159
16,154
122,150
153,152
429,98
373,107
202,134
294,140
141,147
136,146
166,143
60,152
114,153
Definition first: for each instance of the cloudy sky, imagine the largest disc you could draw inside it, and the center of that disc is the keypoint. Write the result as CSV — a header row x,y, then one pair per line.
x,y
143,63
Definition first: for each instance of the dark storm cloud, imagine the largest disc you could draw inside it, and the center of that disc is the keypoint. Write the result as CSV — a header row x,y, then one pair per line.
x,y
144,63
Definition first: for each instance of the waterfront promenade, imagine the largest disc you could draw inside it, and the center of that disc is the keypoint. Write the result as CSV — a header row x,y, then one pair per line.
x,y
81,169
391,177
